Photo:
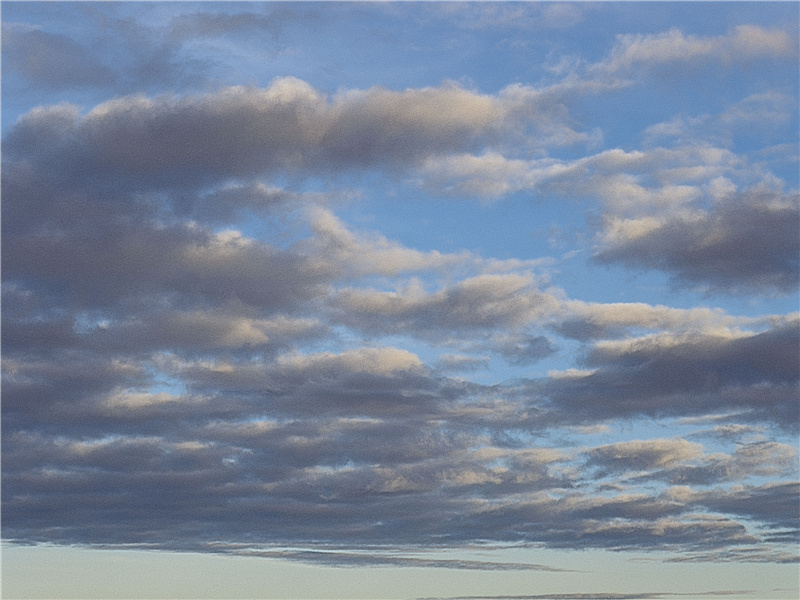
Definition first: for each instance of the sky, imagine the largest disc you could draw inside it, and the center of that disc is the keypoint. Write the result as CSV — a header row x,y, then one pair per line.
x,y
400,300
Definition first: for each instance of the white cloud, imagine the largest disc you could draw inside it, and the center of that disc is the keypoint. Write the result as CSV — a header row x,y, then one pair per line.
x,y
742,45
643,455
374,361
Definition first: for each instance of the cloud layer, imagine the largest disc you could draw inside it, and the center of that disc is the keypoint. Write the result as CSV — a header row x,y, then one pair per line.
x,y
203,352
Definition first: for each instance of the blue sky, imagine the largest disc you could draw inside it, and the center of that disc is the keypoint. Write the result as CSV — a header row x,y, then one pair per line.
x,y
400,300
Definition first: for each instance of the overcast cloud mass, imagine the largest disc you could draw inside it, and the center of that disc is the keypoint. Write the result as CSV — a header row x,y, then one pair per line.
x,y
492,286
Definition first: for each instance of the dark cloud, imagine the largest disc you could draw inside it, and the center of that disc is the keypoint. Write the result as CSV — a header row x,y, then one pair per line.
x,y
681,462
602,596
93,250
230,203
268,25
483,302
456,362
351,559
697,374
742,245
51,60
101,267
642,455
173,381
525,349
240,132
775,504
288,482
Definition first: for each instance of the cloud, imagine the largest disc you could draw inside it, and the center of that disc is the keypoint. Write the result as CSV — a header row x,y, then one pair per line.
x,y
601,596
230,203
774,503
127,260
643,455
375,361
748,460
351,255
510,16
762,114
653,220
740,245
365,381
241,132
199,354
189,26
739,555
636,181
51,60
523,349
480,302
742,45
344,449
498,308
754,374
351,559
585,321
460,362
681,462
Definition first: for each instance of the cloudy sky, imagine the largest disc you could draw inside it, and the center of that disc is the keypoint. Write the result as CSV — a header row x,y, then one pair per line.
x,y
398,300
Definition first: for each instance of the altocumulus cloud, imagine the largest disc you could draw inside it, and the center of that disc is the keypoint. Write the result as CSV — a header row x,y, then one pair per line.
x,y
174,378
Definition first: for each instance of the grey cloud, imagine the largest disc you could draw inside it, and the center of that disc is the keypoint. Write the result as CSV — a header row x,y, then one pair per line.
x,y
367,381
146,57
623,522
741,242
165,142
91,249
338,250
626,181
772,111
103,267
171,384
717,358
748,460
499,307
350,559
744,44
229,203
524,349
730,431
52,60
43,390
341,481
240,132
643,455
741,245
773,503
460,362
681,462
155,326
753,374
205,24
739,555
206,331
480,302
582,329
589,321
690,533
602,596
